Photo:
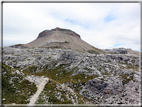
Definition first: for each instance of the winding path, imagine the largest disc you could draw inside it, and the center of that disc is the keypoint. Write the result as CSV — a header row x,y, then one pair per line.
x,y
40,83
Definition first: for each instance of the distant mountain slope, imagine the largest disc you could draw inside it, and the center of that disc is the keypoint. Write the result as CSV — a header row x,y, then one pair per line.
x,y
62,38
121,51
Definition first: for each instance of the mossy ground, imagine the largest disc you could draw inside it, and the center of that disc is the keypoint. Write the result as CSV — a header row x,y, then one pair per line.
x,y
126,78
63,74
15,88
51,92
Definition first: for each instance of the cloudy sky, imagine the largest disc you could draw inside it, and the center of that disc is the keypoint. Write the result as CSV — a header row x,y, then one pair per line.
x,y
103,25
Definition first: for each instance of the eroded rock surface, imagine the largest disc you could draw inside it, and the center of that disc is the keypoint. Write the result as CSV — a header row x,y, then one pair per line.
x,y
98,78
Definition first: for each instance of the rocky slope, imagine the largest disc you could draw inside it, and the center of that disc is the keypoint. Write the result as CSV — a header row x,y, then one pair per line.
x,y
62,38
121,51
74,77
60,68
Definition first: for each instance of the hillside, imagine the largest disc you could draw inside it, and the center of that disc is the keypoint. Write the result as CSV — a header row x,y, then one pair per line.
x,y
49,75
74,77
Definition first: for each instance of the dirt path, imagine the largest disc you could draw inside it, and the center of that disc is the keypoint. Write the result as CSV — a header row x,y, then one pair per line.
x,y
40,83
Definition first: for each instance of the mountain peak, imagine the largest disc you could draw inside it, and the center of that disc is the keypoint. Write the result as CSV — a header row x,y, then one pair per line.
x,y
59,30
62,38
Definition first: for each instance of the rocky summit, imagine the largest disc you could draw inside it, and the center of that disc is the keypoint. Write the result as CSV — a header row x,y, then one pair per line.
x,y
61,38
59,68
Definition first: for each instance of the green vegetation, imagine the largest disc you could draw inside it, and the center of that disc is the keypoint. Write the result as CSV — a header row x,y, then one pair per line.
x,y
93,52
106,73
136,67
126,78
15,88
19,45
63,74
30,70
79,80
98,50
66,42
120,103
136,89
55,47
53,92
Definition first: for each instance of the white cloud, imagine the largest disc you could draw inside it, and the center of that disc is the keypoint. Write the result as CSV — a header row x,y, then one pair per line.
x,y
102,25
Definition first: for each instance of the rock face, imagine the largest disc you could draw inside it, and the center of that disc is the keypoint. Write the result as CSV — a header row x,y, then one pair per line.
x,y
111,91
74,77
62,38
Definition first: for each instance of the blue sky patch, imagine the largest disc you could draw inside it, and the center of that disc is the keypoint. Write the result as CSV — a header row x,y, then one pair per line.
x,y
118,44
78,23
71,21
110,18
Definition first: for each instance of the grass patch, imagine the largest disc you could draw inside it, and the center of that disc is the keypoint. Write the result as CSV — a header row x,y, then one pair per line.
x,y
19,45
98,50
30,70
136,67
79,80
63,74
50,90
126,79
93,52
15,88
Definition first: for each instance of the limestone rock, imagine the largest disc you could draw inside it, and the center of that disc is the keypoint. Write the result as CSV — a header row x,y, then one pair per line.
x,y
84,74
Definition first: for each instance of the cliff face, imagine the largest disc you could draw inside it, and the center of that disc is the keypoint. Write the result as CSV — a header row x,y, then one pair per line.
x,y
62,38
65,76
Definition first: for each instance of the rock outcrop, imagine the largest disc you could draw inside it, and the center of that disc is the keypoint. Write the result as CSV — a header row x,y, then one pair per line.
x,y
69,76
98,79
121,51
